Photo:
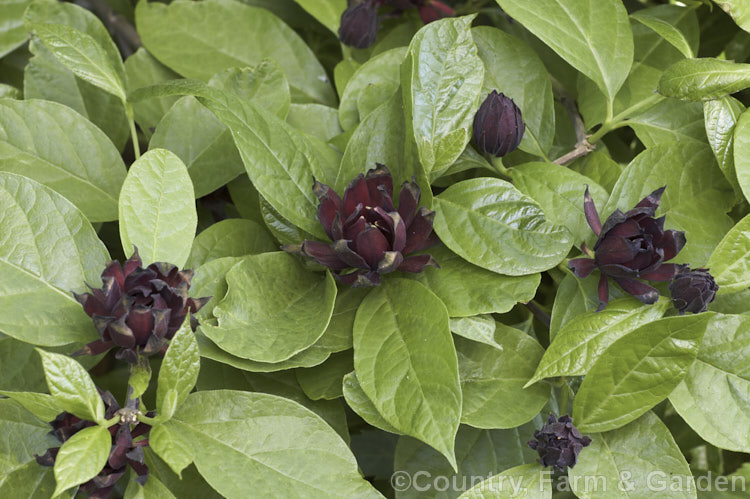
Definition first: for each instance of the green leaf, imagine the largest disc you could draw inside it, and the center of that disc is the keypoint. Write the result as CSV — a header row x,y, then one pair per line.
x,y
720,117
468,290
22,435
729,262
274,308
716,389
72,387
210,280
493,379
382,71
320,121
41,405
325,381
580,342
559,191
183,37
327,12
265,84
358,401
670,121
57,147
738,10
491,224
479,328
140,377
406,362
53,251
741,147
178,372
170,444
574,297
637,372
82,457
12,32
667,31
528,84
442,81
704,79
153,489
20,366
599,167
338,335
157,209
528,481
593,37
479,453
230,237
271,442
695,201
633,461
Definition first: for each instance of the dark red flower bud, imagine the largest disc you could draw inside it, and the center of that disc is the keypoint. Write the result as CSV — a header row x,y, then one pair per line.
x,y
138,309
693,290
359,25
433,10
631,246
369,234
125,450
559,443
498,125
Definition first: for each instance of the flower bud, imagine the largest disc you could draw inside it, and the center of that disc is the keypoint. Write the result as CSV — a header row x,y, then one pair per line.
x,y
693,290
498,125
359,25
559,443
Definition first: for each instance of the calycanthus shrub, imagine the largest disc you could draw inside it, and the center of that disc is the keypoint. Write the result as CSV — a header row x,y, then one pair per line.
x,y
374,248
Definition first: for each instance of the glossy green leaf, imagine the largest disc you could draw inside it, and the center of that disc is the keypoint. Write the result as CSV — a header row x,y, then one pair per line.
x,y
559,191
528,481
729,263
142,70
695,201
640,459
528,84
599,167
157,209
20,366
716,389
338,335
231,237
327,12
153,489
271,442
741,147
491,224
704,79
317,120
738,10
178,372
358,401
493,379
637,372
574,297
670,121
468,290
82,457
140,377
721,116
479,328
274,308
666,30
12,31
183,37
265,84
41,405
170,444
406,362
442,82
593,37
48,249
210,280
57,147
325,381
71,386
580,342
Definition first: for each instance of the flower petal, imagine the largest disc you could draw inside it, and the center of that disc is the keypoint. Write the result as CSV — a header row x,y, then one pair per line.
x,y
592,216
417,263
647,294
348,256
603,291
323,254
390,262
371,244
408,200
582,267
652,200
419,231
672,242
665,272
356,193
330,206
616,250
141,321
377,178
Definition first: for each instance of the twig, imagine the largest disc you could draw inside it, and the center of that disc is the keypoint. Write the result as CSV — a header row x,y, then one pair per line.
x,y
583,146
538,313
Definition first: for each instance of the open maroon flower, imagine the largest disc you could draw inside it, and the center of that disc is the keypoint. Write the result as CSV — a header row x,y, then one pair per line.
x,y
559,442
631,246
693,290
369,234
138,309
125,451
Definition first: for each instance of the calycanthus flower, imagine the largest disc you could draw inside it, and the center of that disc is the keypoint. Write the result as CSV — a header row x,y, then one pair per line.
x,y
631,246
138,309
369,234
359,25
498,125
692,290
559,442
127,449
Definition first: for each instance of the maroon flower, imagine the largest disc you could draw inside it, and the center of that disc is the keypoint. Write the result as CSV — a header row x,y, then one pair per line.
x,y
369,235
693,290
125,450
631,246
138,309
359,25
559,442
498,125
433,10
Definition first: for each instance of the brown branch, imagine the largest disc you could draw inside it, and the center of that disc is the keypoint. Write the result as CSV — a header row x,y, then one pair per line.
x,y
583,146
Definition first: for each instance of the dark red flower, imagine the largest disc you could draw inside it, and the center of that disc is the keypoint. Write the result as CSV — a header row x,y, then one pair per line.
x,y
138,309
498,125
631,246
125,450
693,290
359,25
433,10
369,234
559,442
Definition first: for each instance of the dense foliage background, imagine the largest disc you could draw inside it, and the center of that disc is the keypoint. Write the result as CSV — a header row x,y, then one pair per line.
x,y
193,131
